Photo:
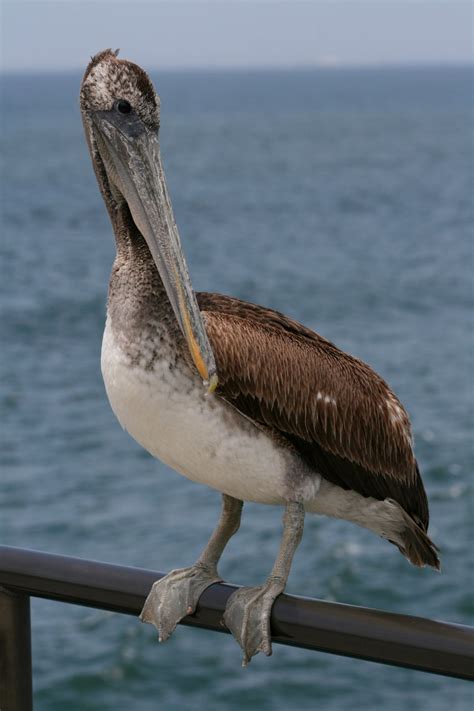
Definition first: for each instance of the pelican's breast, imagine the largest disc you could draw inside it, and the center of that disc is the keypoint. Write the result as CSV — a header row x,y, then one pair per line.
x,y
166,409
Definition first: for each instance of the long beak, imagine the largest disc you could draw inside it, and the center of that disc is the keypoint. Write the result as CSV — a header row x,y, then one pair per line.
x,y
131,155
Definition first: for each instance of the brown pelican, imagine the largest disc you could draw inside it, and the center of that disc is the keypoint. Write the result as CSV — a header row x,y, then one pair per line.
x,y
228,393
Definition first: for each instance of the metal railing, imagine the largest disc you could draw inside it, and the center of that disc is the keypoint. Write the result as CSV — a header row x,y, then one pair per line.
x,y
400,640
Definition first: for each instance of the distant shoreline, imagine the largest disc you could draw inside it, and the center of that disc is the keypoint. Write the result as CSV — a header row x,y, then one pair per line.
x,y
262,69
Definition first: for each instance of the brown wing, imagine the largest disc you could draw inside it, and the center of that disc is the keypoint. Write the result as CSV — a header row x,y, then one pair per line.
x,y
338,413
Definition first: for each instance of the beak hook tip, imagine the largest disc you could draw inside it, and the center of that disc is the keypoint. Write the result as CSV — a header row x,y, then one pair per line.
x,y
212,383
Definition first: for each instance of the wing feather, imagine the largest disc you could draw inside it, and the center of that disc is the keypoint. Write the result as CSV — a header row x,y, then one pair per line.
x,y
335,410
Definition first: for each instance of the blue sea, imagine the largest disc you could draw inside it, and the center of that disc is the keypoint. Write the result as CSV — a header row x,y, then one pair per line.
x,y
341,197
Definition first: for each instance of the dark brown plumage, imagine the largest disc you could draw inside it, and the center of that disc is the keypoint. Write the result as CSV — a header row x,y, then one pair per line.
x,y
341,417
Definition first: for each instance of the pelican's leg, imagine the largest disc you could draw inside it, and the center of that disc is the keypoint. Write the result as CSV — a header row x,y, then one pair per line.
x,y
177,594
248,611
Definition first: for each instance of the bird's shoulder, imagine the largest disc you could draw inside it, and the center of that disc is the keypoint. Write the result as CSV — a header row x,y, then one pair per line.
x,y
256,315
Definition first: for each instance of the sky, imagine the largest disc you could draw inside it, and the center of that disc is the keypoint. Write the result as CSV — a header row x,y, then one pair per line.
x,y
63,34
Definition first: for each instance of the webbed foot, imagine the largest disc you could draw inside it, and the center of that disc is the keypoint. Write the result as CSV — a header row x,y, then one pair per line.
x,y
175,596
247,616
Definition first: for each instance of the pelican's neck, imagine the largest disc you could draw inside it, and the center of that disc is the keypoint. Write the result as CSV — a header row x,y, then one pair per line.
x,y
138,307
137,301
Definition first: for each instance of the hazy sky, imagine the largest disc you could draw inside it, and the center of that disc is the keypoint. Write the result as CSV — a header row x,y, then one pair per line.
x,y
236,33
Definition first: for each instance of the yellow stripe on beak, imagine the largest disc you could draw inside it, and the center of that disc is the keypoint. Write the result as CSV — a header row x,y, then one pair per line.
x,y
193,346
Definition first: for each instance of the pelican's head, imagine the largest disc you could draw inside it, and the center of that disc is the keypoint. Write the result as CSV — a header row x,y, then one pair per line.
x,y
121,115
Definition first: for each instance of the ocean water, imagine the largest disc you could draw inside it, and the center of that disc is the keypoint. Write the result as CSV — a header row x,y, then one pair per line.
x,y
343,198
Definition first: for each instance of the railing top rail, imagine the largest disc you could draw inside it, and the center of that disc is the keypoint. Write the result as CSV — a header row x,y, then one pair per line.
x,y
400,640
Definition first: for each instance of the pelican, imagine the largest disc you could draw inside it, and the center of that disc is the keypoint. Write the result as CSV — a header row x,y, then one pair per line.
x,y
230,394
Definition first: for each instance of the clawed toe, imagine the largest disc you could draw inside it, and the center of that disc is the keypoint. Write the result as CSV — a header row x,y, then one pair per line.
x,y
247,616
175,596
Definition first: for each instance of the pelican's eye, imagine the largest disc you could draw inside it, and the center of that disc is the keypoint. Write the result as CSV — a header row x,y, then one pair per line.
x,y
123,106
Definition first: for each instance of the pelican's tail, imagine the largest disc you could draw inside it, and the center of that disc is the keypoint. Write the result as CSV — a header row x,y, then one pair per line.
x,y
416,545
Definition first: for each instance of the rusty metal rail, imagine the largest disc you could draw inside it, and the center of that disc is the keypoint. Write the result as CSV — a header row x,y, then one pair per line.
x,y
400,640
